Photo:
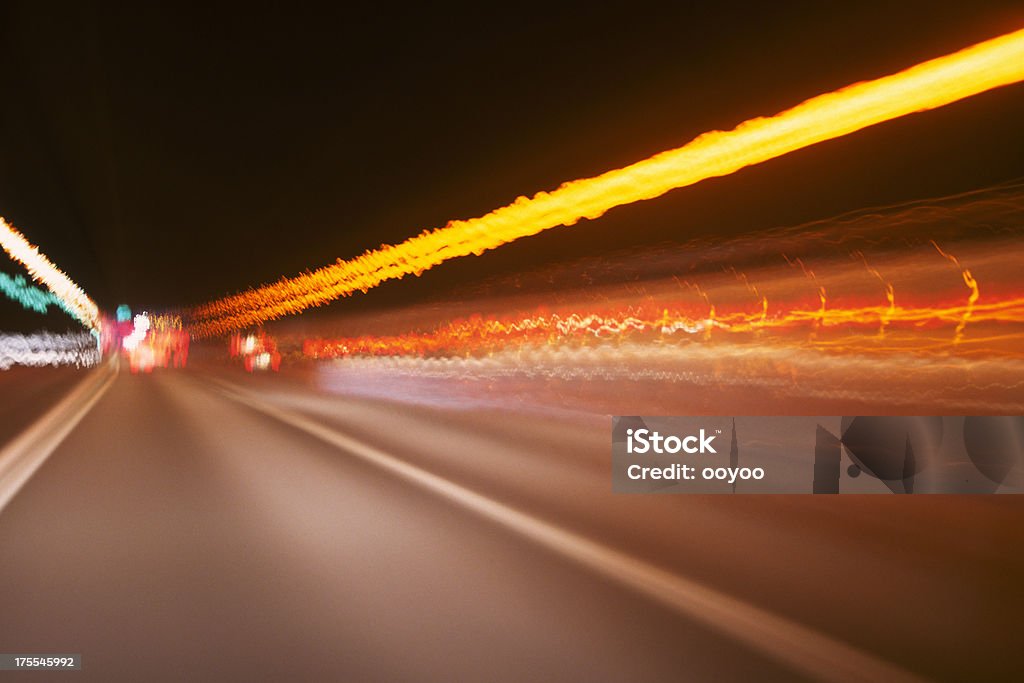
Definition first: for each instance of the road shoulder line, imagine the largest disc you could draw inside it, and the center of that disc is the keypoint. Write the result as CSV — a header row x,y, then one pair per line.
x,y
27,452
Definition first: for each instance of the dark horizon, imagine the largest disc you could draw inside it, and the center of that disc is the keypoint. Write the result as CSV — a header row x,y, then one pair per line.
x,y
164,156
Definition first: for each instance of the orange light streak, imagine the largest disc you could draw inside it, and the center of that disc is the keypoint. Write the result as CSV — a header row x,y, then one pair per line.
x,y
935,83
45,272
890,294
675,320
477,335
972,285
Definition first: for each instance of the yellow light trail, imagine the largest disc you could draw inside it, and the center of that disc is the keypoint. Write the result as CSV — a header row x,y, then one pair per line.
x,y
42,270
935,83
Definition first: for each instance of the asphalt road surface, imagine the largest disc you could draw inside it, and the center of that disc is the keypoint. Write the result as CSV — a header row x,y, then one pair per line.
x,y
209,525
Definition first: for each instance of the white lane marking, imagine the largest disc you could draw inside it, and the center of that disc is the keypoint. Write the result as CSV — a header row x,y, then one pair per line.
x,y
20,458
774,636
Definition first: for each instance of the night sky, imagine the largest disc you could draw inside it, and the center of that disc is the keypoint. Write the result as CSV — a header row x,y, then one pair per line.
x,y
165,154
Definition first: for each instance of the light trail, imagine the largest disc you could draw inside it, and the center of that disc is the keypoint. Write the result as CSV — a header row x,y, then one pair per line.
x,y
688,379
44,348
853,319
972,285
935,83
42,270
30,298
475,336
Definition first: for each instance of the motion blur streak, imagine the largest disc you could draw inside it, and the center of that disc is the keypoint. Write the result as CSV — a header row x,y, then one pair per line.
x,y
76,301
31,298
932,84
860,311
475,334
676,379
665,318
43,348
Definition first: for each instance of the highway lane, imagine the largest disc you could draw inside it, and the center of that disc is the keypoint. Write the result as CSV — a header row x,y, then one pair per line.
x,y
930,581
210,525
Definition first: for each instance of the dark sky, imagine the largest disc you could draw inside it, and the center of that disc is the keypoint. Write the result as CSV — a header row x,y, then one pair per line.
x,y
166,153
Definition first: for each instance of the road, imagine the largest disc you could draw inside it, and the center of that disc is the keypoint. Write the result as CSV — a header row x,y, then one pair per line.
x,y
209,525
27,393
